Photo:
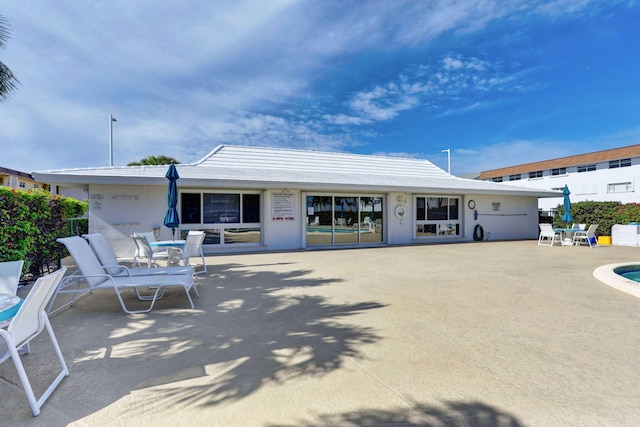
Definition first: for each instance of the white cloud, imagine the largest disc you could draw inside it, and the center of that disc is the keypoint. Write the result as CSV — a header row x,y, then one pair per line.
x,y
454,81
186,78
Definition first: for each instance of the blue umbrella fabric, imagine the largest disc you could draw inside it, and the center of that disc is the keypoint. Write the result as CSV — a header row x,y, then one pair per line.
x,y
171,219
567,205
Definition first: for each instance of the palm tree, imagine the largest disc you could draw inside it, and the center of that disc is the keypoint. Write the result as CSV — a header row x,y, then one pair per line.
x,y
155,160
8,81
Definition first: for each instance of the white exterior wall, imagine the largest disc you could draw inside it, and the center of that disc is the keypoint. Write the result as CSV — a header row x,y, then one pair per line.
x,y
119,211
282,235
586,186
515,218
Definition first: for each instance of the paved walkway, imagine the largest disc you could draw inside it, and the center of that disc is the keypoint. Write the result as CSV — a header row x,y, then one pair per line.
x,y
477,334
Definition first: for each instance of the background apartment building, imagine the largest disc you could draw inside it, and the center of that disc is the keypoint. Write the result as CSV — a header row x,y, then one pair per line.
x,y
22,180
608,175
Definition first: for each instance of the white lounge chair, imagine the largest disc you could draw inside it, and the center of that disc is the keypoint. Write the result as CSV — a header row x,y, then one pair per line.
x,y
588,236
107,258
93,275
193,249
27,324
548,235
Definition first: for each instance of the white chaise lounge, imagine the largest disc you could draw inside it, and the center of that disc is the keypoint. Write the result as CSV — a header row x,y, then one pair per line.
x,y
93,276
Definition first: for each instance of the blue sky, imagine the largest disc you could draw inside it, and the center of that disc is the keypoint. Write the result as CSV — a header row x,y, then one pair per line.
x,y
499,82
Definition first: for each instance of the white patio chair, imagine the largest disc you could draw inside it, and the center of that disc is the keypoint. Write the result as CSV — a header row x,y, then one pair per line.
x,y
27,324
107,258
588,236
93,276
145,251
548,235
193,249
10,276
9,279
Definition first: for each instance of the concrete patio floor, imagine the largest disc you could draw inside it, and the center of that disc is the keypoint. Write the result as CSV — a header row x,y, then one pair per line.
x,y
475,334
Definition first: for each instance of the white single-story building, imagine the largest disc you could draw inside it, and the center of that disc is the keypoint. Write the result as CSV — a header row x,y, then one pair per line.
x,y
251,199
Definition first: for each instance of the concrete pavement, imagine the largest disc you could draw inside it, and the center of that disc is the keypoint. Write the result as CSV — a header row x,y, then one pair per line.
x,y
475,334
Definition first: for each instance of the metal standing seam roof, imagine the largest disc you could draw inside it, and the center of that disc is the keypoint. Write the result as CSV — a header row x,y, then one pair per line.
x,y
232,166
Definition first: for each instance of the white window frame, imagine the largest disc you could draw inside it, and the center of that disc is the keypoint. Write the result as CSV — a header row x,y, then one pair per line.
x,y
444,227
620,187
222,226
619,163
587,168
536,175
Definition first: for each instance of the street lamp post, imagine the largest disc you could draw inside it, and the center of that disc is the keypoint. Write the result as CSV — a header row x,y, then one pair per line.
x,y
448,151
111,120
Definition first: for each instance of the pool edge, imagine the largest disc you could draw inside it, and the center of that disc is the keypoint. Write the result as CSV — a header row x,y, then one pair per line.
x,y
606,275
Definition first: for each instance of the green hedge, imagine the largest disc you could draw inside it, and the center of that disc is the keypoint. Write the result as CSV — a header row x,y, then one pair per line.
x,y
31,221
605,214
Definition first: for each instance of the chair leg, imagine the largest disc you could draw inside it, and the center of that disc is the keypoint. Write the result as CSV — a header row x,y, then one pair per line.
x,y
159,291
204,264
26,385
36,403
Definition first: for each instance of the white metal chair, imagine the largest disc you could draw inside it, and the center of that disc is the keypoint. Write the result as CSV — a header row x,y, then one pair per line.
x,y
588,236
144,251
107,258
193,249
27,324
10,276
548,235
93,275
9,279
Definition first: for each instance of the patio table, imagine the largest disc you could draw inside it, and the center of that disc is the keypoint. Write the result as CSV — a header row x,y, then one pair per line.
x,y
173,247
566,235
168,244
9,306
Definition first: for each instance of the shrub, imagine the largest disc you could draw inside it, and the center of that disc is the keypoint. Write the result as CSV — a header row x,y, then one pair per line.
x,y
31,223
605,214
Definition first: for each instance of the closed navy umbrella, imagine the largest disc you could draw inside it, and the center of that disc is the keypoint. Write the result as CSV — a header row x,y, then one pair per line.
x,y
567,205
171,219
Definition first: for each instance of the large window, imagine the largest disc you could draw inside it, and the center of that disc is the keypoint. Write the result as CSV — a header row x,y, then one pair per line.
x,y
535,175
225,218
344,220
558,171
437,216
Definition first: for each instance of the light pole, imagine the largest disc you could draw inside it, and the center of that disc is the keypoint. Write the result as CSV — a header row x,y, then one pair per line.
x,y
111,120
448,151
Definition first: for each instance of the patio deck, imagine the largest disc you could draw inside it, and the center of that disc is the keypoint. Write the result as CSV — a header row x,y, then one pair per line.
x,y
476,334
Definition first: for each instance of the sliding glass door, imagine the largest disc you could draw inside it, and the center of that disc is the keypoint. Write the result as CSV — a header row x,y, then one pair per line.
x,y
344,220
